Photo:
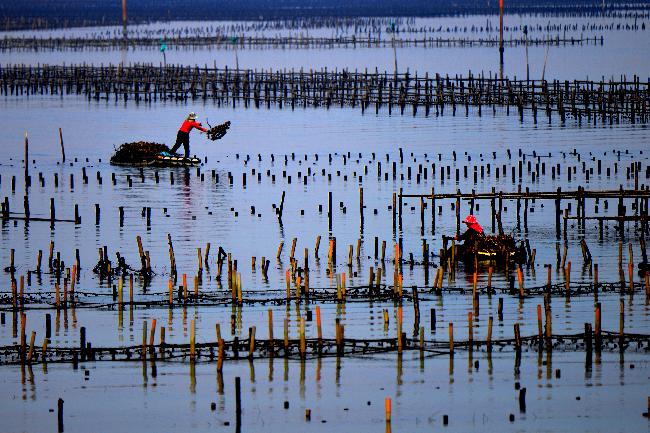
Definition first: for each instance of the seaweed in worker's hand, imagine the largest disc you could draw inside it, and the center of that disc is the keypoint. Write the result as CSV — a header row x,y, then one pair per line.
x,y
217,132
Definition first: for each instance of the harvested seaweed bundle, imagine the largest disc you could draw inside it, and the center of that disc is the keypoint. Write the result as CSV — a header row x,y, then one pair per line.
x,y
140,152
495,244
217,132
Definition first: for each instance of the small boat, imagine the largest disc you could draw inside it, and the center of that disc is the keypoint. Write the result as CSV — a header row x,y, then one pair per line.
x,y
489,248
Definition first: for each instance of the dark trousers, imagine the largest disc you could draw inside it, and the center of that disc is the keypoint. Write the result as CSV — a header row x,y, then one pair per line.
x,y
184,139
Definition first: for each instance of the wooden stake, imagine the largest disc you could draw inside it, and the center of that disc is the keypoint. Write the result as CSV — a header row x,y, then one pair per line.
x,y
451,338
303,344
251,342
270,314
31,346
62,147
489,333
152,334
388,409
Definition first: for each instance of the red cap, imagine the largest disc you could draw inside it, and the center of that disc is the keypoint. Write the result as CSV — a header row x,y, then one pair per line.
x,y
471,219
473,224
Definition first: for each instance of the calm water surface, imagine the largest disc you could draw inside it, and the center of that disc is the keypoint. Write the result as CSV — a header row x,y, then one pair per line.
x,y
171,397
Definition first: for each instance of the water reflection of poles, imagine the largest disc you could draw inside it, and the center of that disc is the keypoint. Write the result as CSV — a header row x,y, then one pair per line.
x,y
234,44
545,59
526,42
392,31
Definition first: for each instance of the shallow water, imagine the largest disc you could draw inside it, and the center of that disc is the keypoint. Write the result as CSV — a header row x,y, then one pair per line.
x,y
474,393
348,394
196,212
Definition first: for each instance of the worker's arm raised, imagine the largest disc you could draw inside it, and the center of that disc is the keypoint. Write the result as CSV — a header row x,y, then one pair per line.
x,y
198,126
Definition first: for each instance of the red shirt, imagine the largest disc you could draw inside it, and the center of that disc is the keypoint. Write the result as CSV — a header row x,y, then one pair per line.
x,y
189,124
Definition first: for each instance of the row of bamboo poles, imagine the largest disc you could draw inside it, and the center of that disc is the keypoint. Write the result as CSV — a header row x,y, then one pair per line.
x,y
242,41
612,100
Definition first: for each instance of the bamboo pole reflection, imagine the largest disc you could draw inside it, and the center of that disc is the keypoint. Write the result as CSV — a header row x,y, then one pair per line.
x,y
192,377
251,368
451,368
399,369
489,363
302,379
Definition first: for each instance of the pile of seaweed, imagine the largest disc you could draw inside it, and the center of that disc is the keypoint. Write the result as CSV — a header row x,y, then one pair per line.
x,y
138,152
498,244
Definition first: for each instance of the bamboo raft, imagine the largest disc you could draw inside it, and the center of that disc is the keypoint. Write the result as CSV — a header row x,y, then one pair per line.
x,y
165,161
150,154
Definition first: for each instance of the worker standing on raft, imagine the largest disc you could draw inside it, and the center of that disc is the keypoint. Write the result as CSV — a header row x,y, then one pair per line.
x,y
474,231
183,136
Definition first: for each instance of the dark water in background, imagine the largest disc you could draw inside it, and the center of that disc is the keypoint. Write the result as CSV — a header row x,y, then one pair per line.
x,y
204,211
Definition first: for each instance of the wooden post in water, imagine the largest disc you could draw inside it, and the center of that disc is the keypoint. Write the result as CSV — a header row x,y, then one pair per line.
x,y
451,339
31,347
144,339
62,147
251,342
59,411
303,344
152,334
501,49
489,333
238,403
319,329
270,314
388,409
597,330
26,161
124,19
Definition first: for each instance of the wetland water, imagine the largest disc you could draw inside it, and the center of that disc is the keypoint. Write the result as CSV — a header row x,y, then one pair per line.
x,y
276,149
621,51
